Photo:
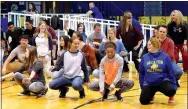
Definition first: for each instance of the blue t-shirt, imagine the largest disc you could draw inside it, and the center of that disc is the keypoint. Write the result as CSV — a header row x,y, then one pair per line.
x,y
96,13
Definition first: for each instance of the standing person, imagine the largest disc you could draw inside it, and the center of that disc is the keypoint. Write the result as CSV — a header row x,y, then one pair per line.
x,y
134,22
36,81
131,37
54,37
18,52
94,11
43,43
30,30
111,68
96,37
156,73
167,45
14,34
178,31
75,71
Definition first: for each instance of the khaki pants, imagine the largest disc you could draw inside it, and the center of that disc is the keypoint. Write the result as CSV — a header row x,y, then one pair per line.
x,y
13,66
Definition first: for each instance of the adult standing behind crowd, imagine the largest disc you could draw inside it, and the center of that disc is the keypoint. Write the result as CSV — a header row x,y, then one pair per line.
x,y
178,31
131,37
94,11
134,22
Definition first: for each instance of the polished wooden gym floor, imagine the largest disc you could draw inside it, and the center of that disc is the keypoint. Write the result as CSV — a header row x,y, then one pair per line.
x,y
10,99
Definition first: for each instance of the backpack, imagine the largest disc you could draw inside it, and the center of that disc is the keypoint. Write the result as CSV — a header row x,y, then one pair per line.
x,y
55,22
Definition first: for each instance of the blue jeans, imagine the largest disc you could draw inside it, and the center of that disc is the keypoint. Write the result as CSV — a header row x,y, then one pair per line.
x,y
177,70
62,82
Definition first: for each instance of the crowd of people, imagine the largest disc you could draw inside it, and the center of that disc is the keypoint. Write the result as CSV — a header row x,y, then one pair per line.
x,y
80,56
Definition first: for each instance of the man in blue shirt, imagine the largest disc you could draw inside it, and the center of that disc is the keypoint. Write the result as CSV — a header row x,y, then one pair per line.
x,y
94,11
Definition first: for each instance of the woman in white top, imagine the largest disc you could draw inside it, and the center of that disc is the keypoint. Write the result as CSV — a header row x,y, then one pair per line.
x,y
43,42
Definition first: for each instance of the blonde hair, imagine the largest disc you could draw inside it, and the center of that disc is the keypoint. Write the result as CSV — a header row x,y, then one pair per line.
x,y
46,33
155,42
127,14
113,30
179,17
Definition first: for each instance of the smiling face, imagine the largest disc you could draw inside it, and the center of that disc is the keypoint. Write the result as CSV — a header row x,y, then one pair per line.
x,y
173,16
75,44
24,42
42,27
110,52
81,28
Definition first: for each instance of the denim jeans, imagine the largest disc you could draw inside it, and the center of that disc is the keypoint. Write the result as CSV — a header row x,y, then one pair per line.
x,y
62,82
177,70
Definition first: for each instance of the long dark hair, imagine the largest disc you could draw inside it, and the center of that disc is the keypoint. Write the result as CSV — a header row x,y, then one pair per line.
x,y
34,7
32,57
66,42
80,25
127,15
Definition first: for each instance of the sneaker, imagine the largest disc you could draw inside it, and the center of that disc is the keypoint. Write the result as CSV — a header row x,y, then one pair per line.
x,y
177,83
82,93
63,92
106,92
171,99
45,91
24,93
40,94
118,95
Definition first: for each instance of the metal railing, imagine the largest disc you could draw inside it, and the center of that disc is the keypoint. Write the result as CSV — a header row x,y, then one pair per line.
x,y
73,21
